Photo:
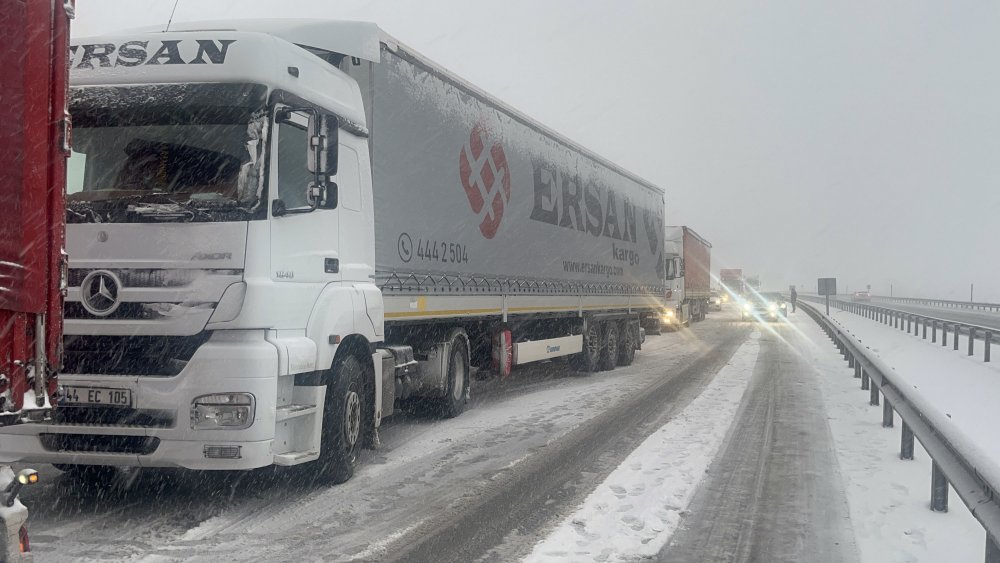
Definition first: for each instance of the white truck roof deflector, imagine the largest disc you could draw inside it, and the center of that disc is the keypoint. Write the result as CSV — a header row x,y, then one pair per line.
x,y
351,38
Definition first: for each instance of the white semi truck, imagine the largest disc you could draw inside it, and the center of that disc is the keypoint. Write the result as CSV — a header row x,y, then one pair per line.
x,y
688,273
279,230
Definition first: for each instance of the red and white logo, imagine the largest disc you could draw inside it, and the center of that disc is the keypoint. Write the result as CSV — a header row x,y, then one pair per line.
x,y
486,179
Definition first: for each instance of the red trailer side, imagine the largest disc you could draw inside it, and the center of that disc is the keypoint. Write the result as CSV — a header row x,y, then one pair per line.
x,y
34,144
697,265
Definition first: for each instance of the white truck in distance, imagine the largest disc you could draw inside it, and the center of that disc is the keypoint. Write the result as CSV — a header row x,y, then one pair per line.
x,y
280,229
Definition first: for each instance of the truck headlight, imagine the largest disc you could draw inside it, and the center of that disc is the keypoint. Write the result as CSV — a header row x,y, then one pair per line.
x,y
228,411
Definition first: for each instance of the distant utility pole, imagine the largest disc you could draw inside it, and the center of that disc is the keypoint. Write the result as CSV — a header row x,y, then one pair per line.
x,y
971,293
890,290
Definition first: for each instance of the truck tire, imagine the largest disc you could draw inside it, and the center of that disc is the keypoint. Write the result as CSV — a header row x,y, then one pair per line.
x,y
612,341
343,420
589,359
453,403
626,346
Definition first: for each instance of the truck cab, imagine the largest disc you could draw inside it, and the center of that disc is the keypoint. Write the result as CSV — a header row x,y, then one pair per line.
x,y
220,254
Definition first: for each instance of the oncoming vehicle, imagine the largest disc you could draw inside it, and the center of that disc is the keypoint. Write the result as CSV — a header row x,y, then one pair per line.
x,y
764,306
861,296
715,300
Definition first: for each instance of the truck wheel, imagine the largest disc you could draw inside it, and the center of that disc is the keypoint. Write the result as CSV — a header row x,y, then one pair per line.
x,y
453,403
626,348
589,359
609,353
343,420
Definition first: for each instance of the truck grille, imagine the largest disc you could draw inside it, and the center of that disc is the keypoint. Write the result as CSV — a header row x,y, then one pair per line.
x,y
111,416
127,311
99,443
151,277
160,356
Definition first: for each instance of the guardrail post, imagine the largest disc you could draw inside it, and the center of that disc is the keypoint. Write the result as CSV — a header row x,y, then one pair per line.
x,y
972,339
924,322
909,324
864,380
906,442
873,400
939,489
986,339
933,331
886,413
895,320
957,330
944,334
857,369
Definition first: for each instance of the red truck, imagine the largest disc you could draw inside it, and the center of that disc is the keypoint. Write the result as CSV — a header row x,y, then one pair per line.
x,y
34,145
689,282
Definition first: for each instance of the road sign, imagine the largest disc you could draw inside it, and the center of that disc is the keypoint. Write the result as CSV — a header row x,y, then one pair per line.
x,y
827,286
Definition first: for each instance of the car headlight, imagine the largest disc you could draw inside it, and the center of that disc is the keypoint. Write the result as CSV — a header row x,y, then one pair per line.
x,y
772,307
230,411
748,306
784,305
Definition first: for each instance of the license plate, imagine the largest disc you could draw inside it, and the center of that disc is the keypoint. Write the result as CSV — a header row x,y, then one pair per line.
x,y
96,396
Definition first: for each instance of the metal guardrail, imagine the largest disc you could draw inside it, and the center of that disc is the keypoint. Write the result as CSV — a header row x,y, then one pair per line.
x,y
950,304
948,465
917,324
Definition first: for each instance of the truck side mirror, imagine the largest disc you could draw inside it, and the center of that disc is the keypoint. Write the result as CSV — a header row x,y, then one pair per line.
x,y
323,145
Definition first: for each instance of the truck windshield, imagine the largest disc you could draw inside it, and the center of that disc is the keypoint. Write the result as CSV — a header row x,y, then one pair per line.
x,y
190,151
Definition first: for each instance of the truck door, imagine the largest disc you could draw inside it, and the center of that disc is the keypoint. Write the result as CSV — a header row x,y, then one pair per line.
x,y
305,244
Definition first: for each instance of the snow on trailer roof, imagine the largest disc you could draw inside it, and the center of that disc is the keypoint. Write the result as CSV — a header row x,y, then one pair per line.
x,y
363,40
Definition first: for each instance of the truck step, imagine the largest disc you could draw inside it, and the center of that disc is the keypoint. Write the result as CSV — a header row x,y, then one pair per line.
x,y
287,412
295,458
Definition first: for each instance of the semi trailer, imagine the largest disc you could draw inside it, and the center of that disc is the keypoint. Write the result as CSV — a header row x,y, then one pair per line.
x,y
688,269
281,230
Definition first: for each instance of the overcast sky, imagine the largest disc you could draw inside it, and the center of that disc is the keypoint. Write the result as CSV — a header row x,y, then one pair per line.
x,y
859,140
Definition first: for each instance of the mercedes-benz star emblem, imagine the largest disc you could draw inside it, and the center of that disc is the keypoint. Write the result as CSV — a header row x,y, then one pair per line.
x,y
99,293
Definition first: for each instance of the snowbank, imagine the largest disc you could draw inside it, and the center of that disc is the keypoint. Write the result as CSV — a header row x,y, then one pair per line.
x,y
637,508
888,498
955,392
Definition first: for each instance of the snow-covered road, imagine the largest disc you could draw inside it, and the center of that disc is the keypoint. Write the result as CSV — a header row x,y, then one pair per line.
x,y
728,441
486,482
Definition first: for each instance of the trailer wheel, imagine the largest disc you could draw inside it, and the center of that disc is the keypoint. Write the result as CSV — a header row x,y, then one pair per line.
x,y
609,352
626,346
343,420
589,359
453,403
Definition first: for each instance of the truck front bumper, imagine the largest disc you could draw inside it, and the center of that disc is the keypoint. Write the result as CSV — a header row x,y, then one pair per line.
x,y
231,362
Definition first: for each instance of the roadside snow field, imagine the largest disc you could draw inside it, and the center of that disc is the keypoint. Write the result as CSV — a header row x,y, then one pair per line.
x,y
888,498
956,392
638,506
